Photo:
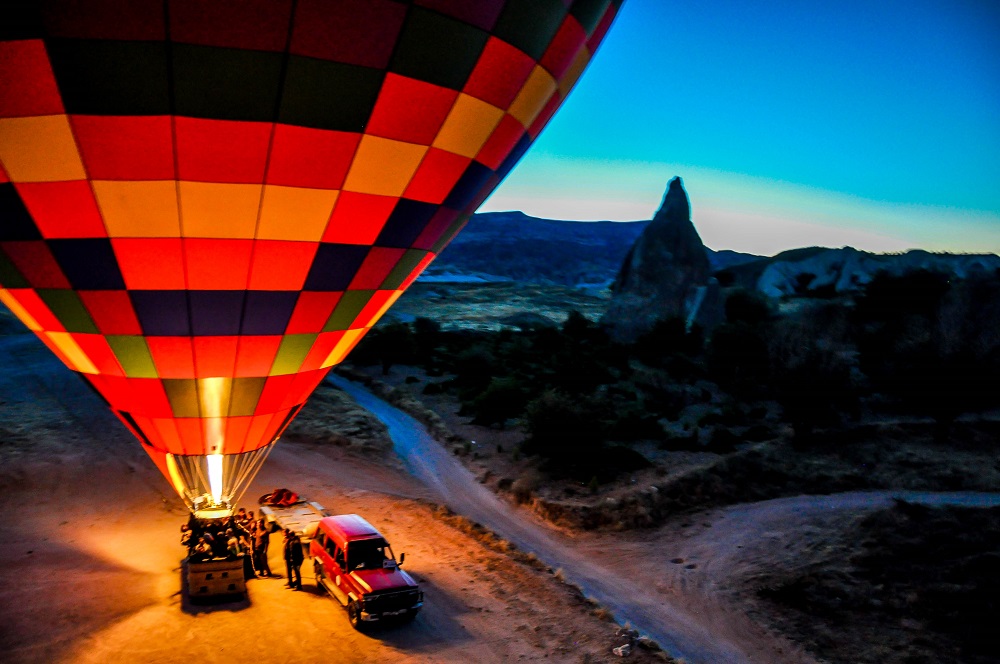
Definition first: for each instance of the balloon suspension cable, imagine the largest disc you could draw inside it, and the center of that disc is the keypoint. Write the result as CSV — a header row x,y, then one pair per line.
x,y
248,470
212,485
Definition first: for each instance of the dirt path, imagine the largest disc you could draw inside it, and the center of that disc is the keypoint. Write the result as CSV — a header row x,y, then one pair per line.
x,y
691,632
673,583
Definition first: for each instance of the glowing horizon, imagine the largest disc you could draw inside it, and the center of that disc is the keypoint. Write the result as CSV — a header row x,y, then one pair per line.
x,y
792,124
741,212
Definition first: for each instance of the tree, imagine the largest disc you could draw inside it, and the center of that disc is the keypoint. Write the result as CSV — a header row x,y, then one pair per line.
x,y
815,391
578,326
743,306
564,430
386,345
503,399
474,367
395,345
667,337
738,357
426,338
932,343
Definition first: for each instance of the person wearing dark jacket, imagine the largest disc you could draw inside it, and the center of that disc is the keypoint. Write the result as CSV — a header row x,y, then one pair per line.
x,y
261,539
293,560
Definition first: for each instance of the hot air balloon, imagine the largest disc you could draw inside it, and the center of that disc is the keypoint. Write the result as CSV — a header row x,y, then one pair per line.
x,y
205,204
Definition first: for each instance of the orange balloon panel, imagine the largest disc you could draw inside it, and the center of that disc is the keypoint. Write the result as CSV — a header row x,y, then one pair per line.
x,y
205,205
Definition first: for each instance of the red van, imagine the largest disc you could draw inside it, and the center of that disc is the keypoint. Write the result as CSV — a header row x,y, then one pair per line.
x,y
355,564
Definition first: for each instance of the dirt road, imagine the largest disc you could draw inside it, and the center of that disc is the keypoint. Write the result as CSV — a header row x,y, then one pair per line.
x,y
670,583
693,632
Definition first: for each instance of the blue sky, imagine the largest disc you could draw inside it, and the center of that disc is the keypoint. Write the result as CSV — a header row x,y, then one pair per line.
x,y
873,124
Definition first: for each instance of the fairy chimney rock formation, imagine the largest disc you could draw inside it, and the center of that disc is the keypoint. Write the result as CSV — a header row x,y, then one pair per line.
x,y
665,274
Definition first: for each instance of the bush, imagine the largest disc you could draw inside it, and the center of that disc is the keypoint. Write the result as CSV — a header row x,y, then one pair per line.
x,y
911,563
688,443
524,487
758,433
743,306
738,358
503,399
387,345
433,388
931,342
562,428
722,441
634,426
667,338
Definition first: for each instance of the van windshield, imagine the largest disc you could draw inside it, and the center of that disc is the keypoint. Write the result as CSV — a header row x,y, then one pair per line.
x,y
367,554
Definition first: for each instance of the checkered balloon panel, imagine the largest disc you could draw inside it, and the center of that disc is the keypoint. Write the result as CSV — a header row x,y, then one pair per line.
x,y
205,205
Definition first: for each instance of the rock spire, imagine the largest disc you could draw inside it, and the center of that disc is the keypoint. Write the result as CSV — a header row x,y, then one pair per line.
x,y
665,274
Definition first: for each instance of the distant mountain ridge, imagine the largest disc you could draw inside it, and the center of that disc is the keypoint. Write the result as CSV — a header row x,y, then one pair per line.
x,y
513,246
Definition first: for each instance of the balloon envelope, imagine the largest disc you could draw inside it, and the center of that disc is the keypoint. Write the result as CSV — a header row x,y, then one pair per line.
x,y
205,205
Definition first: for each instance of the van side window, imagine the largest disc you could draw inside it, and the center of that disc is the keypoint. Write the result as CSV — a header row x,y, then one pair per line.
x,y
321,538
330,547
339,558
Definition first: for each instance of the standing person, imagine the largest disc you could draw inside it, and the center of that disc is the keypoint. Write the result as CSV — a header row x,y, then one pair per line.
x,y
298,557
261,542
246,552
293,560
237,527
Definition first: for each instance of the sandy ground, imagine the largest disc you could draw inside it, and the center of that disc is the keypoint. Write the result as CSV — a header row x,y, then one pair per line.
x,y
90,555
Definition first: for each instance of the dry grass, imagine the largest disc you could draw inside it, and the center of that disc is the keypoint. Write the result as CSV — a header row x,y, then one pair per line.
x,y
331,417
900,457
488,538
402,398
911,584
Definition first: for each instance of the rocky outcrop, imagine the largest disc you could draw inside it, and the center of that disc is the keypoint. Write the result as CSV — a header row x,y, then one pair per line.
x,y
666,273
848,270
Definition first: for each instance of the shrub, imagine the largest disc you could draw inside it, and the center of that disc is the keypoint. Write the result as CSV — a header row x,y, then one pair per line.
x,y
759,433
503,399
750,307
722,441
738,357
524,487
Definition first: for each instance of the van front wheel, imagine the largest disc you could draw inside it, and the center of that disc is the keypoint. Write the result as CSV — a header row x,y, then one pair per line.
x,y
354,616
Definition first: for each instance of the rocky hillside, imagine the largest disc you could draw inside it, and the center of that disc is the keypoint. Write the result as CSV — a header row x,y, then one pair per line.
x,y
817,270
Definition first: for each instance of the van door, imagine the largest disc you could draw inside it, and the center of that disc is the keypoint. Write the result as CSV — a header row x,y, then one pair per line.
x,y
333,561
